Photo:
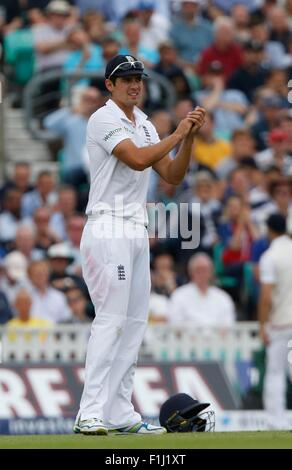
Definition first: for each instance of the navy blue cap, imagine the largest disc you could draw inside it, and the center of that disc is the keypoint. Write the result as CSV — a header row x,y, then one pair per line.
x,y
185,404
135,66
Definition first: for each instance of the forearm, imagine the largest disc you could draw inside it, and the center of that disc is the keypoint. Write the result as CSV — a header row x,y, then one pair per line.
x,y
264,309
44,48
236,107
84,57
236,238
253,230
179,166
210,102
148,156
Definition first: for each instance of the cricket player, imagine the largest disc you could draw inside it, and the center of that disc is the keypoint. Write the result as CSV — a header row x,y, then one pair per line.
x,y
123,146
275,315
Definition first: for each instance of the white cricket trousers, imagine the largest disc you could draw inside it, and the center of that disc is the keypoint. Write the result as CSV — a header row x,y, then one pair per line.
x,y
117,273
277,369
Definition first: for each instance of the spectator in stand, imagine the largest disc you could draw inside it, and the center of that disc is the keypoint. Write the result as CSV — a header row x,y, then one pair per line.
x,y
181,108
5,309
10,18
203,192
224,49
70,124
16,14
276,154
190,33
25,241
226,6
242,145
84,56
163,123
270,110
110,47
43,195
166,194
281,192
24,319
60,258
228,106
158,310
77,301
257,194
44,235
274,52
163,275
207,149
52,49
277,83
75,227
115,10
50,39
238,184
20,180
286,126
280,201
65,207
163,282
169,68
10,217
236,234
198,303
94,24
250,74
47,302
288,10
279,26
155,27
133,45
14,274
241,19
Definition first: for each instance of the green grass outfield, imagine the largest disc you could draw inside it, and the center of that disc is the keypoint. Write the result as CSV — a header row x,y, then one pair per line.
x,y
218,440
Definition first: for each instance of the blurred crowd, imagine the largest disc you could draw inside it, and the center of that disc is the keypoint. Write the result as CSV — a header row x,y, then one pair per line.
x,y
234,58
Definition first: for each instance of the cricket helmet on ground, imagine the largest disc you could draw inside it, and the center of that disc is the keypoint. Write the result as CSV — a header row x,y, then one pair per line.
x,y
181,413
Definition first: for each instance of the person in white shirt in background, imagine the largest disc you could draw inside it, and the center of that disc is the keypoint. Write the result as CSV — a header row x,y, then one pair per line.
x,y
198,302
47,302
275,317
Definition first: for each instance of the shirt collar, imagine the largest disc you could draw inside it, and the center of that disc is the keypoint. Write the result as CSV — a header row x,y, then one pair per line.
x,y
279,240
139,115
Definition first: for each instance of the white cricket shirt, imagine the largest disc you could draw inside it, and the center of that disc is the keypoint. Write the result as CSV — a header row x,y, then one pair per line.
x,y
215,308
115,188
276,268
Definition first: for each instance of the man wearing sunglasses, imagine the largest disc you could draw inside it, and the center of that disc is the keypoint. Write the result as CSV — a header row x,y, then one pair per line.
x,y
123,146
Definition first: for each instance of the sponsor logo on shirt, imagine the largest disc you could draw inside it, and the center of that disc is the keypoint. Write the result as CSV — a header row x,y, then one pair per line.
x,y
129,130
111,133
147,134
